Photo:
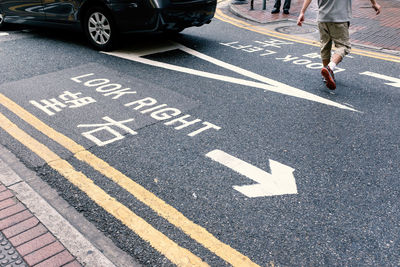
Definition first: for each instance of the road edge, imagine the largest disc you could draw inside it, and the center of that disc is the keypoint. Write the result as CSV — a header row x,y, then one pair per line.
x,y
236,12
77,234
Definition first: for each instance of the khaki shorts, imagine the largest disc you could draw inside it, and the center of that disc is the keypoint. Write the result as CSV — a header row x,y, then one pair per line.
x,y
339,34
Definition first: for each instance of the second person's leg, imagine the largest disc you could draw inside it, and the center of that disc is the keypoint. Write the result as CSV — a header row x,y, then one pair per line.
x,y
286,7
277,7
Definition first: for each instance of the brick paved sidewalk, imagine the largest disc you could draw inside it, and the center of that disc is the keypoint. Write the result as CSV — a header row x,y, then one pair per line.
x,y
39,228
24,240
382,31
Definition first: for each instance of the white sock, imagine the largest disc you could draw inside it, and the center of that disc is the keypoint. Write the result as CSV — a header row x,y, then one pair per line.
x,y
332,65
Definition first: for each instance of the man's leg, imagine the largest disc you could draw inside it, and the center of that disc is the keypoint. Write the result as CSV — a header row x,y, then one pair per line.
x,y
326,47
339,33
335,59
277,7
325,42
341,39
286,7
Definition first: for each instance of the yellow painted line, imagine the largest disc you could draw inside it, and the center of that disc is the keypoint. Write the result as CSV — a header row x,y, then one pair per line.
x,y
241,24
172,215
176,254
221,16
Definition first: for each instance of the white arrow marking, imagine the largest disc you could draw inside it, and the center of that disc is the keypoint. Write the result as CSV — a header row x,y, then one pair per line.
x,y
280,181
394,81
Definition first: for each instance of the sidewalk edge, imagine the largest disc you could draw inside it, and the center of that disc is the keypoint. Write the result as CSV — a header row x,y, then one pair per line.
x,y
75,232
236,12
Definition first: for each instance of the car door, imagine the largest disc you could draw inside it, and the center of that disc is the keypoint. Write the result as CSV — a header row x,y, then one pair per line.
x,y
61,10
22,10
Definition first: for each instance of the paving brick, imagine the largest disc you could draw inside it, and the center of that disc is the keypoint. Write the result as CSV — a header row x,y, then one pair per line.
x,y
75,263
17,218
21,227
28,235
4,213
35,244
7,203
57,260
2,188
44,253
6,194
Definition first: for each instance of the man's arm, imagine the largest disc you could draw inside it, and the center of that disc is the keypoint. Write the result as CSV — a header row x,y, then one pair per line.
x,y
303,11
376,6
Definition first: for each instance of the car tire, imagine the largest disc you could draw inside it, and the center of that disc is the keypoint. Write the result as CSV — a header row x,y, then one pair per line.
x,y
100,29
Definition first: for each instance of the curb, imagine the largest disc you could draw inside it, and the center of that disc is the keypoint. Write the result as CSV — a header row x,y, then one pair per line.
x,y
236,12
70,229
25,240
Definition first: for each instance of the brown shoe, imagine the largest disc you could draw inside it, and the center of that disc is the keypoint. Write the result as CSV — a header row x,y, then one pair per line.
x,y
327,73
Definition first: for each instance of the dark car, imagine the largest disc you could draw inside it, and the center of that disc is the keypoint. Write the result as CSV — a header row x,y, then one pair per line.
x,y
102,20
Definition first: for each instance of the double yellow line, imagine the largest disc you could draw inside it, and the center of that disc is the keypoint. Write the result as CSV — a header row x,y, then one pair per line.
x,y
258,29
176,254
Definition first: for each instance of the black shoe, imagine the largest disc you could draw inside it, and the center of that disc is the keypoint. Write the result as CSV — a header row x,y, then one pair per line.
x,y
286,11
274,11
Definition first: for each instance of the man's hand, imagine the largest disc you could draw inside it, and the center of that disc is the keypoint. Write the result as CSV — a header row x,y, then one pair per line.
x,y
300,19
306,3
377,8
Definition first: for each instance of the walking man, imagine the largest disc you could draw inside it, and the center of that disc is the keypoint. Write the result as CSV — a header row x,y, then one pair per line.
x,y
333,24
277,7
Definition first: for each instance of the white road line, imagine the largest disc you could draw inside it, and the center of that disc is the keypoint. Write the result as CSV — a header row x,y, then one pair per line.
x,y
395,82
280,181
4,33
233,68
272,85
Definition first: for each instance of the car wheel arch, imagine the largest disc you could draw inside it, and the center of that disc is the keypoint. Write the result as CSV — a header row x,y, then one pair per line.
x,y
86,5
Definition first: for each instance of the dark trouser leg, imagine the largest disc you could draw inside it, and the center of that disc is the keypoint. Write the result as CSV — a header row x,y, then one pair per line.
x,y
286,5
277,4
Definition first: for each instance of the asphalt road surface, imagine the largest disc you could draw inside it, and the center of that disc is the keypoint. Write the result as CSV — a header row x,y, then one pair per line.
x,y
218,146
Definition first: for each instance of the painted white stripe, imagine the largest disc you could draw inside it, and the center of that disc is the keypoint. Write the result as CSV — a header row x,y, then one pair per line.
x,y
234,68
4,33
395,82
274,86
